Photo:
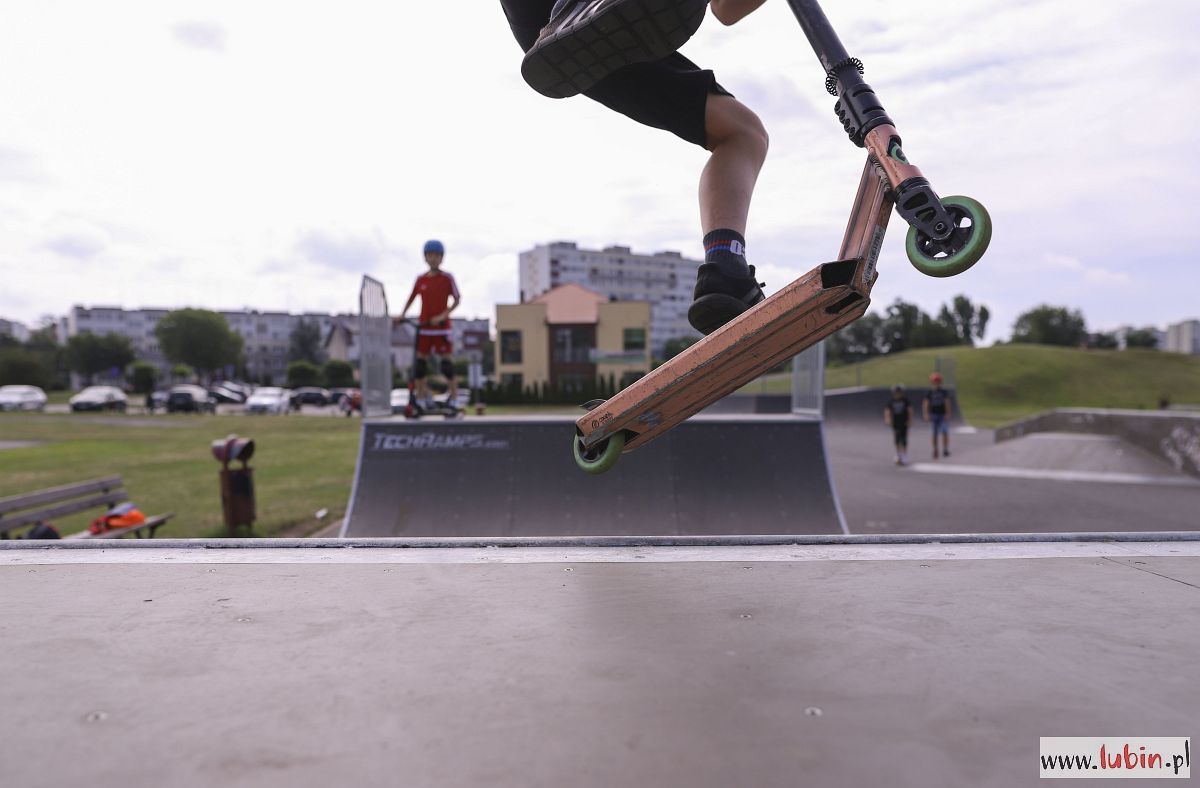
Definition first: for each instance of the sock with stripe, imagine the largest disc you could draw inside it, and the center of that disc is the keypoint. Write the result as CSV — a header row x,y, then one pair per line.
x,y
727,249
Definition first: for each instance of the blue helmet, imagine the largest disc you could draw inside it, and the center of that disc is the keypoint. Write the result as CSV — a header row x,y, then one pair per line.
x,y
434,246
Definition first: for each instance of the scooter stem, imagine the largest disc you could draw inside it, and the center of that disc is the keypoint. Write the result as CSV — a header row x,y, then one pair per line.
x,y
820,33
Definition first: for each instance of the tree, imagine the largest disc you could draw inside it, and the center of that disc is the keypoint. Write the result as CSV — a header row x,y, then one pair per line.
x,y
143,375
19,366
181,372
935,333
1145,338
860,340
338,374
673,347
302,373
88,354
967,321
304,343
900,321
199,338
1103,341
1050,325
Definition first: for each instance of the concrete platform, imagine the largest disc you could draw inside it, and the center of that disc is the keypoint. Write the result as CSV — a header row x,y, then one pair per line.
x,y
836,662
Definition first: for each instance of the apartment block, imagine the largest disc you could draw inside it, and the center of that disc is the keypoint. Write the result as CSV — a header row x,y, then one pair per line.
x,y
1183,337
664,280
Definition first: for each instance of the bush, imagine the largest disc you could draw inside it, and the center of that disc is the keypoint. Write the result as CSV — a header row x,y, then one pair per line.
x,y
143,376
302,373
338,374
20,367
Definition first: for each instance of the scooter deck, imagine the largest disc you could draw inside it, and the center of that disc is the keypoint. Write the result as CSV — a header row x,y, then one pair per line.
x,y
811,308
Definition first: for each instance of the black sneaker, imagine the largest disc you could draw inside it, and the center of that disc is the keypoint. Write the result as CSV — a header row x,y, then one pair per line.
x,y
586,40
721,297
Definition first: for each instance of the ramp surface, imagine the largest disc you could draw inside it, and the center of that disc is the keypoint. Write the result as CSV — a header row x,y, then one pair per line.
x,y
712,475
865,404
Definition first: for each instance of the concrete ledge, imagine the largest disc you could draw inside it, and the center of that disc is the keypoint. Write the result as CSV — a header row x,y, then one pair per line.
x,y
605,541
1172,435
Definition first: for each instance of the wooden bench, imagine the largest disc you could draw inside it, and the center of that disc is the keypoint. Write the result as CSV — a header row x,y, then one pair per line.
x,y
24,511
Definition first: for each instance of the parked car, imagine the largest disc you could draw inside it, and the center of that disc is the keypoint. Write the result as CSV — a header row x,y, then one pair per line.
x,y
222,393
311,395
337,395
99,398
269,399
399,400
186,398
239,388
22,398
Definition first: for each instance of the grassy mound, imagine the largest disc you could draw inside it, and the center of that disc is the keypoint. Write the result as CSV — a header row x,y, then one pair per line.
x,y
1005,382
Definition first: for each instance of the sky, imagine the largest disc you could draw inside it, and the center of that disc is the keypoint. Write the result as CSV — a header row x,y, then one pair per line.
x,y
228,155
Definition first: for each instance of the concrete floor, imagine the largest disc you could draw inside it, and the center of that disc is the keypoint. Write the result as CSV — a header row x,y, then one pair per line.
x,y
879,497
835,665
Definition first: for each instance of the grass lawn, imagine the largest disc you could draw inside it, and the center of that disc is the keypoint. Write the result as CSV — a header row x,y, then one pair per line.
x,y
301,465
1006,382
306,463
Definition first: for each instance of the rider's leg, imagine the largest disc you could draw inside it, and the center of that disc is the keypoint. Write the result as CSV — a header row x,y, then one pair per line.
x,y
737,143
726,285
420,387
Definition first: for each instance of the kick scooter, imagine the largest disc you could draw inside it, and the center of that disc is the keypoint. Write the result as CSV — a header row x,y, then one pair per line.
x,y
432,407
946,236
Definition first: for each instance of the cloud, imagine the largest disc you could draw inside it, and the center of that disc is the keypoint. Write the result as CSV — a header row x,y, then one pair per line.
x,y
1093,274
20,166
77,240
207,36
344,252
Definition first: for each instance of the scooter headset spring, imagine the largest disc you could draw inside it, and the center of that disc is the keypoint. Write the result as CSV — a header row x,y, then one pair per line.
x,y
831,80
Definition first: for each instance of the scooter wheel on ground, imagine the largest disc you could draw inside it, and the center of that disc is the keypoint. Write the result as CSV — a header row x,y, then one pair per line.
x,y
601,457
964,247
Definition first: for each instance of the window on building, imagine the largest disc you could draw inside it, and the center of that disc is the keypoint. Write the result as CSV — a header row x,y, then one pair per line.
x,y
514,379
571,381
635,339
510,347
573,345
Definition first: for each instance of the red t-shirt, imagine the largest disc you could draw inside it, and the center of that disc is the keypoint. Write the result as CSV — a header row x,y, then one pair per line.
x,y
435,289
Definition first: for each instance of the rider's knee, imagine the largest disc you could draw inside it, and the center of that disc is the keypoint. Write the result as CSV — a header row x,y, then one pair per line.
x,y
447,368
422,369
729,121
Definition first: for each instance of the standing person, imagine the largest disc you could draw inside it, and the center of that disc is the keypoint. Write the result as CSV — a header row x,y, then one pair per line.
x,y
622,53
439,297
898,415
938,408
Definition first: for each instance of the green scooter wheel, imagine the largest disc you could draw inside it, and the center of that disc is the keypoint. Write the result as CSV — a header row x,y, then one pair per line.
x,y
601,457
964,247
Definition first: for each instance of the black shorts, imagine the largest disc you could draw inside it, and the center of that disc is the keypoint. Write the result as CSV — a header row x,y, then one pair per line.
x,y
668,94
900,434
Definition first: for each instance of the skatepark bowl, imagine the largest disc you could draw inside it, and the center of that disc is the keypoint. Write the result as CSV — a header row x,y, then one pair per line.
x,y
703,651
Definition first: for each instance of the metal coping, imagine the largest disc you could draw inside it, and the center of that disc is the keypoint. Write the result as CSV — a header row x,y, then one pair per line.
x,y
602,541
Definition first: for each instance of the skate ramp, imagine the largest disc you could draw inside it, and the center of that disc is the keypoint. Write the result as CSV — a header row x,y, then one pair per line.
x,y
864,404
712,475
1065,456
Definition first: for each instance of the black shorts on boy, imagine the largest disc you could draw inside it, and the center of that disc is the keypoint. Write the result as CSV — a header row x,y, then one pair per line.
x,y
669,93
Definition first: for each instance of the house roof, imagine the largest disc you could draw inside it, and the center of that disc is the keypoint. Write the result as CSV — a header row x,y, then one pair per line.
x,y
571,303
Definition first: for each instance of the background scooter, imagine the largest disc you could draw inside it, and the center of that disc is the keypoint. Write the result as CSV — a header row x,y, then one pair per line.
x,y
434,406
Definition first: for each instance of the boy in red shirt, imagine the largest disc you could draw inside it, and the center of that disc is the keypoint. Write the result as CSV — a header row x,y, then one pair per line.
x,y
439,297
